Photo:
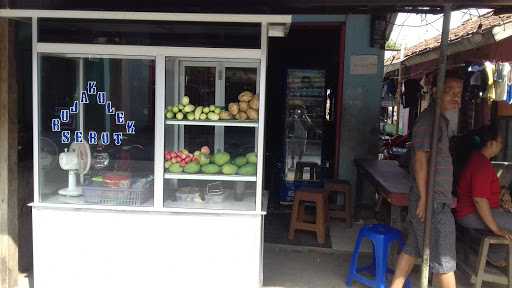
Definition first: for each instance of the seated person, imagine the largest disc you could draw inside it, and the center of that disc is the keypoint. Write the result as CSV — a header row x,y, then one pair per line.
x,y
479,190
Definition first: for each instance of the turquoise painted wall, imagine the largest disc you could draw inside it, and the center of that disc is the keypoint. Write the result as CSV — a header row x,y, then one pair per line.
x,y
361,98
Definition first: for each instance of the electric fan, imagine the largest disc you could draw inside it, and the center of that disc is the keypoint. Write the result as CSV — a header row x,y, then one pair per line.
x,y
77,161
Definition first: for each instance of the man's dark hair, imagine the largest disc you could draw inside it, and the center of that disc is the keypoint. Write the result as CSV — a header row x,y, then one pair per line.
x,y
456,74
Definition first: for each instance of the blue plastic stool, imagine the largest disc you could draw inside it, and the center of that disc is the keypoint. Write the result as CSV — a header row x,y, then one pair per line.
x,y
382,236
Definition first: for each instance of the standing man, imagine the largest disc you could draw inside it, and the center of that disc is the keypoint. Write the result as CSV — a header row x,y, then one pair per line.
x,y
443,257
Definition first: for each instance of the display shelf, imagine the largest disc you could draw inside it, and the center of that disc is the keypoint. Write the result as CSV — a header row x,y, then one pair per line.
x,y
248,204
219,177
235,123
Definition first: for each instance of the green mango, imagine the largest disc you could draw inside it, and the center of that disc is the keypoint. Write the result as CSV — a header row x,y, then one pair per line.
x,y
189,108
192,168
252,157
169,115
240,161
175,168
190,116
221,158
197,113
213,116
248,170
229,169
210,169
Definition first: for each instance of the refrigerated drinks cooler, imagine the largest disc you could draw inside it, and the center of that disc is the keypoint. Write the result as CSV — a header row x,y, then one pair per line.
x,y
308,107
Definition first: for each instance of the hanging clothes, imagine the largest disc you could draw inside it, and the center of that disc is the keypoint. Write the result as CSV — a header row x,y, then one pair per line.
x,y
501,81
490,70
412,93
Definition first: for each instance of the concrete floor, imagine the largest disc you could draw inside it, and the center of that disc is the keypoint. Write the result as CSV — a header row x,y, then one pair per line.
x,y
296,267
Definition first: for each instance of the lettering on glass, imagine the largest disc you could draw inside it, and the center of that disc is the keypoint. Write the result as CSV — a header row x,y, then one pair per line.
x,y
91,87
74,109
64,115
105,138
109,109
62,120
118,137
55,125
66,137
93,138
79,137
101,97
119,117
84,98
130,127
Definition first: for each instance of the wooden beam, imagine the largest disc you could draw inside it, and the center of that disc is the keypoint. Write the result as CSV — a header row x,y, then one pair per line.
x,y
8,159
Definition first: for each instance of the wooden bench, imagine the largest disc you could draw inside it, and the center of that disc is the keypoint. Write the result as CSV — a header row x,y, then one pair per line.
x,y
482,272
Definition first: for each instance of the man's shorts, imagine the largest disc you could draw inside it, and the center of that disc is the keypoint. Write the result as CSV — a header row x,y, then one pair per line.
x,y
442,244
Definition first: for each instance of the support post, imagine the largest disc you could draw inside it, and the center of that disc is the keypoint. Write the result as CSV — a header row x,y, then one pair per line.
x,y
433,154
399,89
8,159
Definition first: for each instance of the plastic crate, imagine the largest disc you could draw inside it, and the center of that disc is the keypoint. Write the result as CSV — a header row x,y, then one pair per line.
x,y
116,196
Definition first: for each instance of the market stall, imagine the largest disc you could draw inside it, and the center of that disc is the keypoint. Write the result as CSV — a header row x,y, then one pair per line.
x,y
148,149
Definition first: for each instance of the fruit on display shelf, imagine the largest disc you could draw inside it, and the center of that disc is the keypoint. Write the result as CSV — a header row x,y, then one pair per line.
x,y
210,169
247,170
192,167
240,161
252,157
201,161
247,106
229,169
188,111
221,158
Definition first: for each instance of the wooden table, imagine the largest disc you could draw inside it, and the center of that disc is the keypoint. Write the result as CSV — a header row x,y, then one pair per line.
x,y
392,183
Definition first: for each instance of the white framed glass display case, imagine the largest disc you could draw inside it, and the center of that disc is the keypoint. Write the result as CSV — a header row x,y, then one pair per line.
x,y
119,93
161,131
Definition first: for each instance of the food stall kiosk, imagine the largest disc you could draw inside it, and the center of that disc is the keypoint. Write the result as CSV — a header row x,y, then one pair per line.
x,y
148,145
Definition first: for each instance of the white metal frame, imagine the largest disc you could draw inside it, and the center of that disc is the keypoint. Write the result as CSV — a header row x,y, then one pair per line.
x,y
159,53
148,16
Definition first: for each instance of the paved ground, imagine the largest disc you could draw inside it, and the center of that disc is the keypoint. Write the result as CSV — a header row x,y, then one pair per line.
x,y
292,267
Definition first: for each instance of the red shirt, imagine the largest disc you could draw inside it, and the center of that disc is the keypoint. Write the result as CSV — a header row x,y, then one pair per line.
x,y
477,180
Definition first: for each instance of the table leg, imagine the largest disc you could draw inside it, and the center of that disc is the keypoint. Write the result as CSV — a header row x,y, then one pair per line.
x,y
395,218
359,192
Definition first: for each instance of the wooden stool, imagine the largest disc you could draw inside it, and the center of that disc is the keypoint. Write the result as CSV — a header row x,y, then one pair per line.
x,y
481,274
314,170
298,221
341,187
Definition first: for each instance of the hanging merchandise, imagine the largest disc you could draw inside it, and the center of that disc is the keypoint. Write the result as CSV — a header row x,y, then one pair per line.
x,y
388,93
489,70
412,93
501,81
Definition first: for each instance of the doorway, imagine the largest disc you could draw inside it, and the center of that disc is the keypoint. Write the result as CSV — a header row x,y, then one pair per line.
x,y
303,114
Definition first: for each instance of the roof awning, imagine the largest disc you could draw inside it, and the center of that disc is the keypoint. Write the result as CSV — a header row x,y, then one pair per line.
x,y
258,6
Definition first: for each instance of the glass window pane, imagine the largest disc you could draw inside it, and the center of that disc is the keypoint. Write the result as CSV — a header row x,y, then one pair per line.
x,y
96,130
150,33
304,125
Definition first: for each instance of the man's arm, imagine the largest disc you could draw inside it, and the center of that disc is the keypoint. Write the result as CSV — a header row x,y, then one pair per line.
x,y
421,163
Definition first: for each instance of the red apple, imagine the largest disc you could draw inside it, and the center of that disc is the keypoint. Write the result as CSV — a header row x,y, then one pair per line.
x,y
168,155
